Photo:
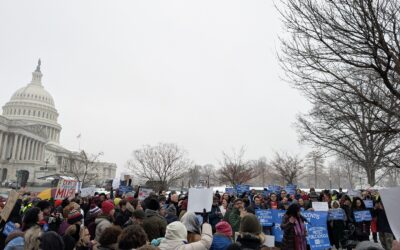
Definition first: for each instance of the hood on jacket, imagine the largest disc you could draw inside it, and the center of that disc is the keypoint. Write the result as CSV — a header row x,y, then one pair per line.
x,y
149,213
100,219
191,222
176,231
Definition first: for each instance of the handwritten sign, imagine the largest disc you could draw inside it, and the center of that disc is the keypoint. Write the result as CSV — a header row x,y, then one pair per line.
x,y
12,199
320,206
144,193
89,191
199,199
265,217
65,189
360,216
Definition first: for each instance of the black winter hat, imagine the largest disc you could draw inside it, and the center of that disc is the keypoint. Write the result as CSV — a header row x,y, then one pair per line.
x,y
153,205
43,205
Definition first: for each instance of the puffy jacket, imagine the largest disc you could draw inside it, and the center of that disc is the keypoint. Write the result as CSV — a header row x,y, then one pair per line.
x,y
180,244
220,242
154,225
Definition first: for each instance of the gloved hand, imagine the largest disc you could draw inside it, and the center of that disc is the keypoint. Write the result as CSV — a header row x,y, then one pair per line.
x,y
205,216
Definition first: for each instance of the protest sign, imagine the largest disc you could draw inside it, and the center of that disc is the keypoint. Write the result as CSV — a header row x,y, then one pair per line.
x,y
116,183
320,206
360,216
230,191
122,189
315,218
276,229
354,193
11,200
240,189
291,189
89,191
269,240
144,193
369,203
390,200
318,238
265,217
336,214
200,199
274,189
8,228
65,189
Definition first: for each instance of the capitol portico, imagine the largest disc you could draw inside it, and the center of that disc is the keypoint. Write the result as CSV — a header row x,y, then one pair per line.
x,y
30,136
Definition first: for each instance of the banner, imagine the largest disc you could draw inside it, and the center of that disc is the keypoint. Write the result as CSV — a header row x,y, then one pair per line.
x,y
317,237
369,204
65,189
240,189
360,216
11,200
200,199
336,214
144,193
265,217
276,229
320,206
89,191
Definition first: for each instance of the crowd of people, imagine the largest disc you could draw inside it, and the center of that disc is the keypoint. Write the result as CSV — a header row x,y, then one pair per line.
x,y
161,221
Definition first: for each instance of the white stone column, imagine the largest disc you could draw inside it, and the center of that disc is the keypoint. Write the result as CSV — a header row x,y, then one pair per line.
x,y
1,144
28,149
4,149
19,145
37,151
14,148
33,154
41,151
23,145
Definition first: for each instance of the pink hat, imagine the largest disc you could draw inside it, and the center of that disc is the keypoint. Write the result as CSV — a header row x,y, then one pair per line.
x,y
224,228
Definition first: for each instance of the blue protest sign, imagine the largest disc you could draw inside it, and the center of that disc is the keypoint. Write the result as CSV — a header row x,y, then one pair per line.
x,y
360,216
266,192
316,218
318,238
8,228
276,229
369,203
336,214
274,189
291,189
240,189
125,189
265,217
230,191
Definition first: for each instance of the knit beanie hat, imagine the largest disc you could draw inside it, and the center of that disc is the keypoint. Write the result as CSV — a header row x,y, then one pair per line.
x,y
138,214
153,204
57,203
74,216
250,224
106,207
43,205
176,231
224,228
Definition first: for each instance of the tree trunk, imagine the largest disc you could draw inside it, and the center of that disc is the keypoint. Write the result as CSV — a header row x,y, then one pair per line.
x,y
371,176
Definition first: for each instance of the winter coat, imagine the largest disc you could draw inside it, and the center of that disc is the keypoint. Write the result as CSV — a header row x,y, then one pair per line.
x,y
177,243
362,229
382,221
215,216
102,223
289,234
220,242
154,224
122,217
247,242
234,219
15,241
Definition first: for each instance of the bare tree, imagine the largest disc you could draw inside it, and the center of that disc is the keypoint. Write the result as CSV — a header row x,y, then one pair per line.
x,y
289,168
164,163
265,174
315,163
84,167
235,170
337,45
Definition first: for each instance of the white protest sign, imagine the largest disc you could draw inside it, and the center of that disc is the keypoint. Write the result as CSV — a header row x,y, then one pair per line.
x,y
11,200
144,193
115,183
65,189
269,241
354,193
89,191
390,200
320,206
200,199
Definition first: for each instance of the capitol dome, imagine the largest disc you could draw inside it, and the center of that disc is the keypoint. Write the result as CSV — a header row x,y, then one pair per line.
x,y
34,105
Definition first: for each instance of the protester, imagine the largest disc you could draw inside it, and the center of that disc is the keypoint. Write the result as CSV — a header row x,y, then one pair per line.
x,y
153,224
336,227
132,237
109,238
362,230
105,219
294,231
222,239
233,216
215,215
50,241
385,233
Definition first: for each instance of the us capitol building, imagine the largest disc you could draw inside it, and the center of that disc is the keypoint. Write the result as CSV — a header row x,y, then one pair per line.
x,y
30,137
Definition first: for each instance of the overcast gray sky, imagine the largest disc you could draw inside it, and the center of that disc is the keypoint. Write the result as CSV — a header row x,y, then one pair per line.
x,y
202,74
